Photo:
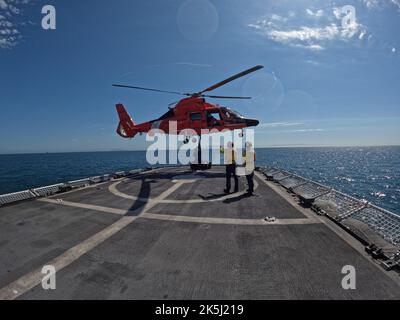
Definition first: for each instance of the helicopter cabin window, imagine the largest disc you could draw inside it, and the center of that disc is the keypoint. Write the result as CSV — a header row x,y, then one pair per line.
x,y
213,118
195,116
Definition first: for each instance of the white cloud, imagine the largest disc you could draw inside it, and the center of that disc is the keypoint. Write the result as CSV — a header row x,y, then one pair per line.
x,y
280,124
6,23
375,4
9,22
314,38
308,130
305,33
313,47
352,29
370,4
396,3
277,17
312,62
316,14
337,12
3,5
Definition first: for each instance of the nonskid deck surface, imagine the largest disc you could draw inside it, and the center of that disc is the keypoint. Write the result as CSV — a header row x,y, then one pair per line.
x,y
171,234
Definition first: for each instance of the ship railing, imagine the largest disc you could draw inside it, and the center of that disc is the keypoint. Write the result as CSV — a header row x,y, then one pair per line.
x,y
96,179
377,228
81,183
306,189
16,197
46,191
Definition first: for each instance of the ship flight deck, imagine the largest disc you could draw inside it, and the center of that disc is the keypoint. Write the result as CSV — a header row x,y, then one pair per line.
x,y
168,233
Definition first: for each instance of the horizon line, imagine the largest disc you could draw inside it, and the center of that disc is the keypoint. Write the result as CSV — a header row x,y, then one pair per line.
x,y
263,147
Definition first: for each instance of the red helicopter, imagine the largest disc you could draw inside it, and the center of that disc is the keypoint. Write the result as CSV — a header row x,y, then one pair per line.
x,y
192,112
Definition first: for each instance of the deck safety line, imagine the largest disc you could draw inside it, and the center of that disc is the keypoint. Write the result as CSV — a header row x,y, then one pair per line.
x,y
34,278
208,220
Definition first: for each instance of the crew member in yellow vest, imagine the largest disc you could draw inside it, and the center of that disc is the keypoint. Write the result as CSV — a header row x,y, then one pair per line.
x,y
250,159
230,164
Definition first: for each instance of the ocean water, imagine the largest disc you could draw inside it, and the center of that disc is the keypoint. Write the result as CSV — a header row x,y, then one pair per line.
x,y
371,173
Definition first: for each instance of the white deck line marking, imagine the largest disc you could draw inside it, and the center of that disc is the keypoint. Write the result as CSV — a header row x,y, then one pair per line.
x,y
226,220
34,278
181,218
211,220
113,189
84,206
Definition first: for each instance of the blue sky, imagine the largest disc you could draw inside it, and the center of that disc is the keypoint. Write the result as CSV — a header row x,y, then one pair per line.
x,y
322,84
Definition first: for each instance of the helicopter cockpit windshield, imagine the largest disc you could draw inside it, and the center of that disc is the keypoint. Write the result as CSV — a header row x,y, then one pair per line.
x,y
229,113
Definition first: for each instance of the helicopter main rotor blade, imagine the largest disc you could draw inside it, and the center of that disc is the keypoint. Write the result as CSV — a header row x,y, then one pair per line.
x,y
224,97
201,93
150,89
236,76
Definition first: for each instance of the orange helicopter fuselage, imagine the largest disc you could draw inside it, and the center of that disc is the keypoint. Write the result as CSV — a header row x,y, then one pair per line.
x,y
192,113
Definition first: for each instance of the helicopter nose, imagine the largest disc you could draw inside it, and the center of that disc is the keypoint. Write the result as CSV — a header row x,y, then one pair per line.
x,y
252,122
